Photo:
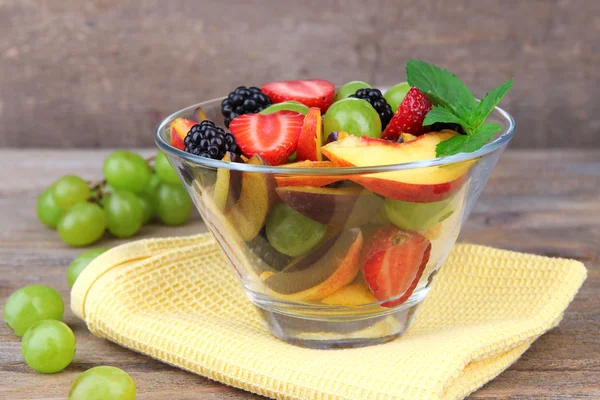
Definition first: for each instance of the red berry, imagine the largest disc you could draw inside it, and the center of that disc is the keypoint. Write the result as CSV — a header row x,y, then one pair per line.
x,y
310,92
409,117
393,261
273,136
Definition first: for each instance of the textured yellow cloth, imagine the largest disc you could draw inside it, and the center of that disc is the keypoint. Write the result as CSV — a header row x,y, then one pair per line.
x,y
176,300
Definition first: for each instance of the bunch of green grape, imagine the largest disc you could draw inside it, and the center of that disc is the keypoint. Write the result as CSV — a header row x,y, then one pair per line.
x,y
131,195
48,345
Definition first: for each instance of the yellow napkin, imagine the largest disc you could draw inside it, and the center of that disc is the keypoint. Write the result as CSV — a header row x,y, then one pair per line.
x,y
176,300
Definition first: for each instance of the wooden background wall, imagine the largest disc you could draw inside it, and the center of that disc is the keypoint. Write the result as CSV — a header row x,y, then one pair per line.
x,y
101,73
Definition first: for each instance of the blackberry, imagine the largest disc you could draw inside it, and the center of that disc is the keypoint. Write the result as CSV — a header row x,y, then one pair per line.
x,y
243,100
378,102
207,140
438,126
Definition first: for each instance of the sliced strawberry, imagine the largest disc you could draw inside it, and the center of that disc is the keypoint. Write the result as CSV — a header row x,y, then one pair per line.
x,y
273,136
409,117
393,261
310,92
179,130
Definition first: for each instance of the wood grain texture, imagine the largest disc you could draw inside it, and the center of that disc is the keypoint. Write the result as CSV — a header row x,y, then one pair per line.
x,y
102,73
544,202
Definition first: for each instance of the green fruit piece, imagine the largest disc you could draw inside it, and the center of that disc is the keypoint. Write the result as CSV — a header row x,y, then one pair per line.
x,y
103,383
82,225
290,105
292,158
291,233
172,204
48,212
32,304
417,216
349,89
80,263
124,213
146,202
152,185
164,170
395,95
48,346
125,170
70,190
354,116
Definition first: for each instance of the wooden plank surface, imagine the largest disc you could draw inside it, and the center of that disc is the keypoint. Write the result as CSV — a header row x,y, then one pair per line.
x,y
544,202
101,73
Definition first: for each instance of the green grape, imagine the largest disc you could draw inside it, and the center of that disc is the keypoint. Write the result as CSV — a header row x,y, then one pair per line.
x,y
395,95
48,212
164,170
291,233
31,304
355,116
82,225
107,190
417,216
124,213
152,185
103,383
80,263
70,190
291,105
48,346
173,204
147,207
126,171
349,89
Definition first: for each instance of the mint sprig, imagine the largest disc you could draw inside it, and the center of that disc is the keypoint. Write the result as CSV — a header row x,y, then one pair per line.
x,y
455,103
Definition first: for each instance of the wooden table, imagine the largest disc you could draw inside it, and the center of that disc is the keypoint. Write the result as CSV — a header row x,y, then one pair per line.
x,y
544,202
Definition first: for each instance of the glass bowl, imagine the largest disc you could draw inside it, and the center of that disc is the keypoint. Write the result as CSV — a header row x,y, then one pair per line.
x,y
335,257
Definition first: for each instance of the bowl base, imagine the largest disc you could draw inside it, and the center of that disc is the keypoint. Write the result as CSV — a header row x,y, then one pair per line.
x,y
332,333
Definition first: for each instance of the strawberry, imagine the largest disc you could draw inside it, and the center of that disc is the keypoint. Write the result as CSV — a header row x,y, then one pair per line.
x,y
393,261
273,136
409,117
310,92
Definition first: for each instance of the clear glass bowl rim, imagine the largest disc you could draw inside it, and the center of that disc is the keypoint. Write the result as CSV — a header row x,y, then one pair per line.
x,y
498,143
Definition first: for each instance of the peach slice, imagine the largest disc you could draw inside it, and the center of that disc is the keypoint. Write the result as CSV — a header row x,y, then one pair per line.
x,y
421,185
346,206
407,137
311,137
199,115
355,294
228,185
179,129
250,212
307,180
324,271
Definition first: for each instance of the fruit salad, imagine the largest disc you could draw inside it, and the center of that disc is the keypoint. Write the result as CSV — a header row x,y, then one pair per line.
x,y
338,238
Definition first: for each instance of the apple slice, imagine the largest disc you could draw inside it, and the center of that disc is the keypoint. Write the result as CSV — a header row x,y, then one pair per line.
x,y
307,180
325,270
347,206
228,185
179,129
311,137
250,212
420,185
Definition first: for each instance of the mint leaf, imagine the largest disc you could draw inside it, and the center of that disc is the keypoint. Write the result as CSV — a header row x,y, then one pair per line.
x,y
451,146
442,88
467,144
441,114
491,100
